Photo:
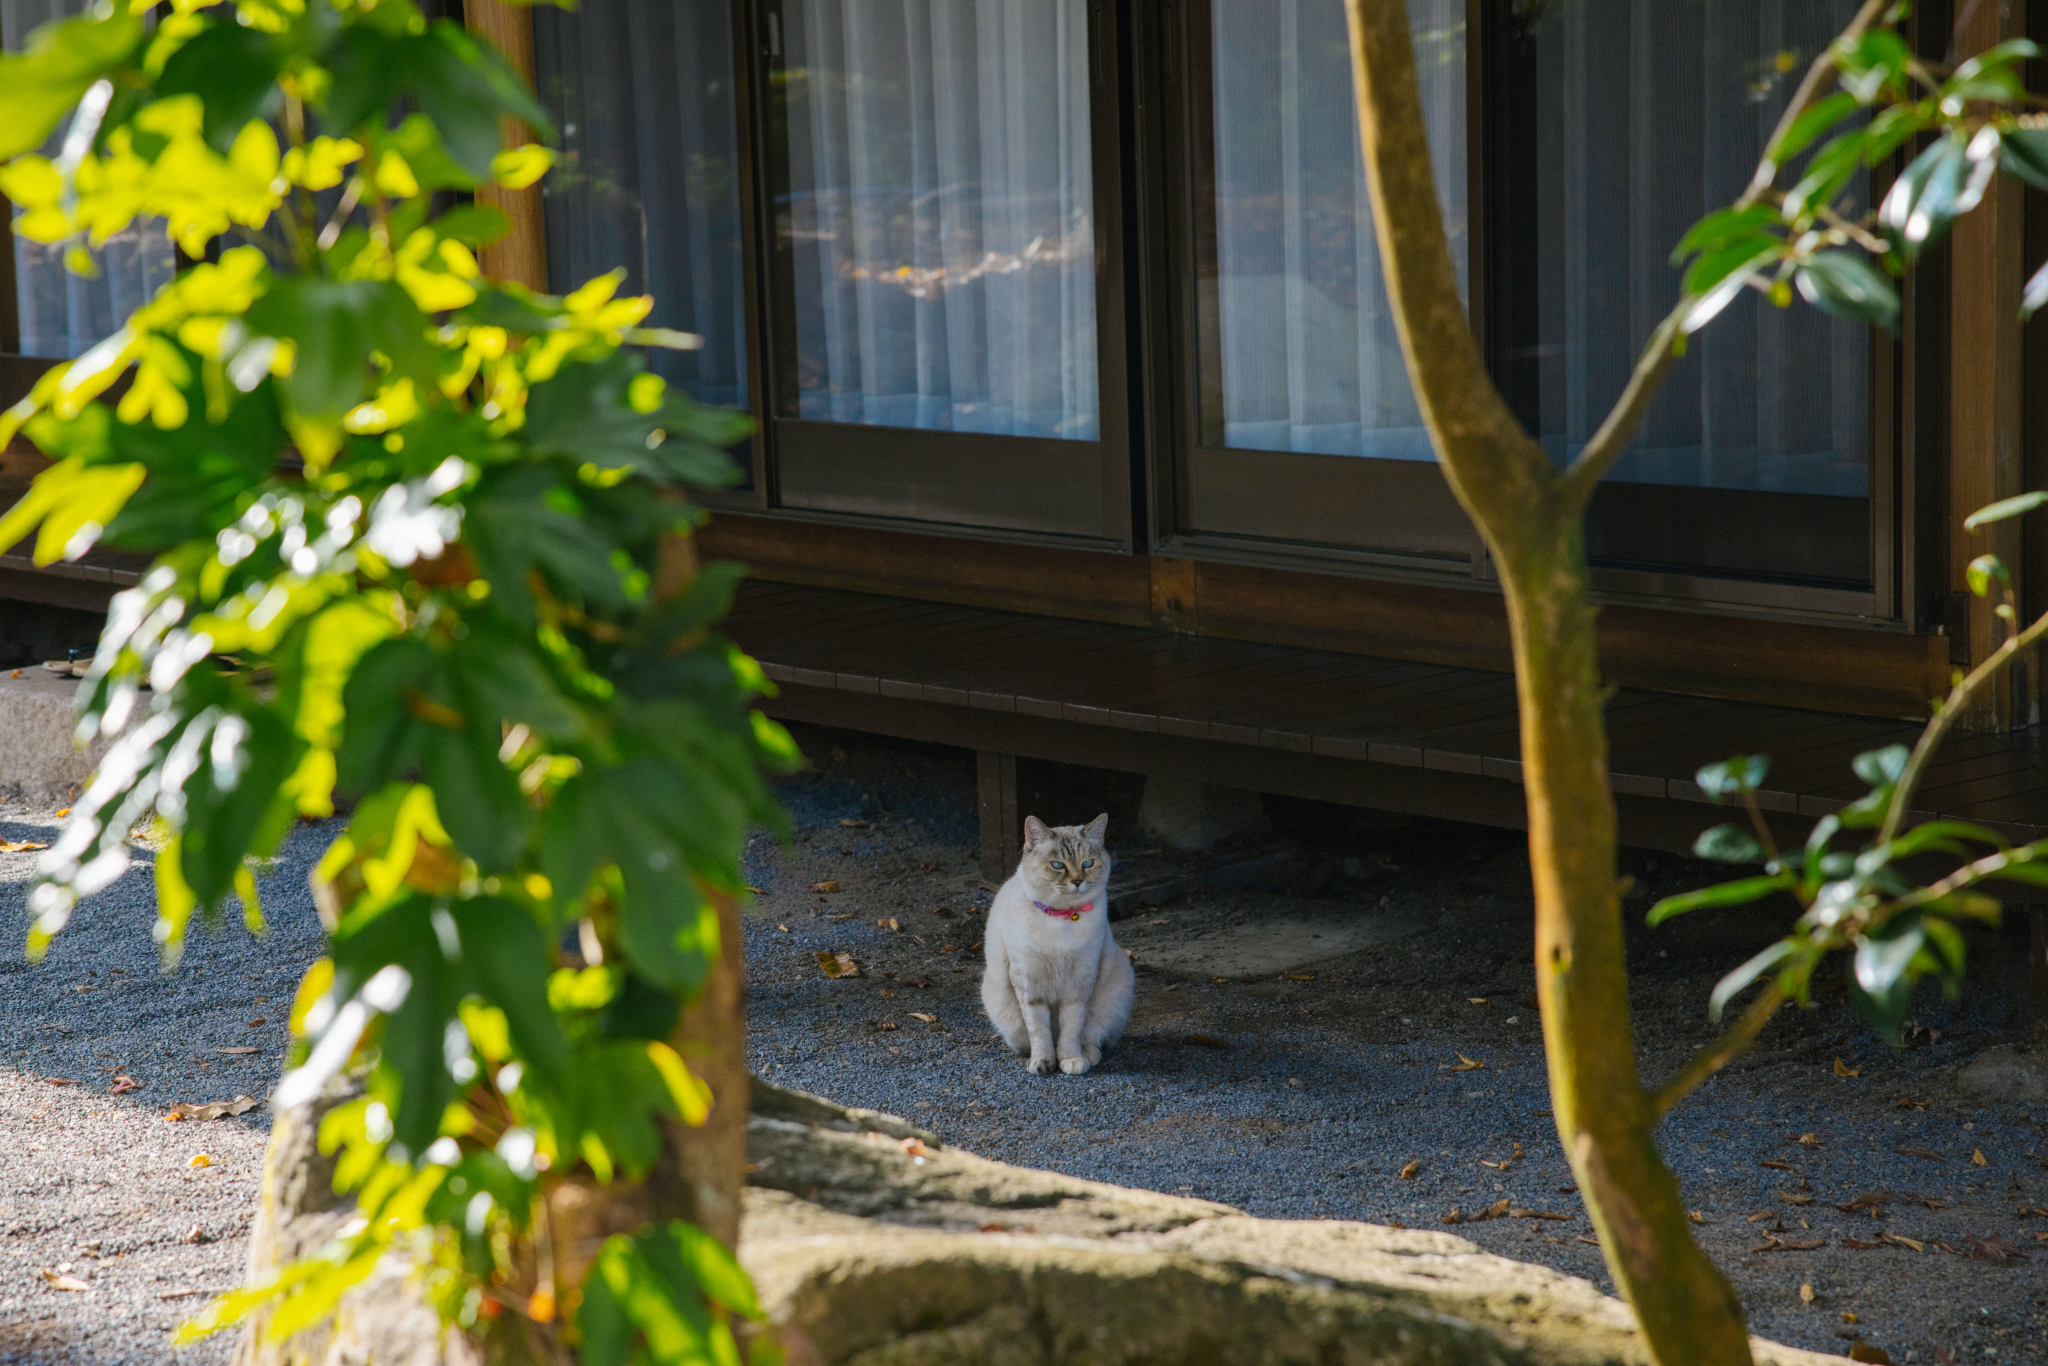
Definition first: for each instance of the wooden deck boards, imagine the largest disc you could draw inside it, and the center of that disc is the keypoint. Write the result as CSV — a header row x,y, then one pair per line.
x,y
1325,705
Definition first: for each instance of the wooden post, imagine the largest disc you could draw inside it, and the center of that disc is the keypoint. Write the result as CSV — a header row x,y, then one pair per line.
x,y
1986,455
2037,966
1002,825
522,255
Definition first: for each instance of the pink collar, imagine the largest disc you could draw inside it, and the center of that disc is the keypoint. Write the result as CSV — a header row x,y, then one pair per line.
x,y
1070,912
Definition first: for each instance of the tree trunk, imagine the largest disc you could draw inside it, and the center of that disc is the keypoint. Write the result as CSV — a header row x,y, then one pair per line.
x,y
1531,517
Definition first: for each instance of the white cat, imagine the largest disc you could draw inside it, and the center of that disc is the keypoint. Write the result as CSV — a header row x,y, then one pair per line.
x,y
1051,957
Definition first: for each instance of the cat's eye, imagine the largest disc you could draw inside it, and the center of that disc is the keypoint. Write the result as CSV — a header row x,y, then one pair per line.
x,y
1086,866
1058,866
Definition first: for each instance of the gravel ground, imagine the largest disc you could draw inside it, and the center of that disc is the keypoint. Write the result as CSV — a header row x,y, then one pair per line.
x,y
1328,1080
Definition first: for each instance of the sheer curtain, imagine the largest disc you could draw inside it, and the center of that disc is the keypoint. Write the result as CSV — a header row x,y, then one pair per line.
x,y
1308,359
61,314
649,178
1652,113
939,214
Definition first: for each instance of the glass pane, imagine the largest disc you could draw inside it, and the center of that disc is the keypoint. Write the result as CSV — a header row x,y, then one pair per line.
x,y
936,214
649,177
1298,351
61,314
1649,114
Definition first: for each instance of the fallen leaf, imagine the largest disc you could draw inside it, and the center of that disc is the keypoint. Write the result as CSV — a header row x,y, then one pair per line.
x,y
243,1048
1409,1172
260,1019
1532,1000
1843,1069
1993,1249
1773,1243
1868,1200
196,1234
1301,977
200,1160
218,1109
183,1294
784,928
1867,1351
1849,1317
60,1081
122,1085
1918,1152
1201,1040
837,964
1219,981
1296,1081
1977,1158
824,886
1464,1064
58,1281
1795,1198
1944,1356
1806,1295
1776,1165
1536,1214
888,924
1698,1216
1589,1238
62,812
915,1147
1475,1000
1808,1140
886,994
1761,1215
951,948
1900,1240
1859,1243
1908,1103
927,867
995,1228
21,846
853,824
920,1015
946,912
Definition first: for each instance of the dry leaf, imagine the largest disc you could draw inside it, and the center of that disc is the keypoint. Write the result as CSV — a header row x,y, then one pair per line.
x,y
1843,1069
1409,1172
1537,1214
1464,1064
1475,1000
200,1160
915,1147
1219,981
1773,1243
920,1015
1977,1158
837,964
122,1085
1908,1103
1795,1198
886,1026
848,916
260,1019
60,1081
246,1048
1776,1165
1859,1243
196,1234
1898,1240
1868,1352
1918,1152
1201,1040
1301,977
1993,1249
21,846
1868,1200
58,1281
824,886
1589,1238
240,1105
955,948
62,812
852,824
1808,1140
1532,1000
886,994
1761,1215
889,924
784,928
1806,1295
1698,1216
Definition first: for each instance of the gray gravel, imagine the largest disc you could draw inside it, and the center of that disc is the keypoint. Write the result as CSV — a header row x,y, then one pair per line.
x,y
97,1187
101,1183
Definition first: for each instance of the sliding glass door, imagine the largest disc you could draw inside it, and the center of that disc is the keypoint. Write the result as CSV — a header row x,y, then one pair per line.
x,y
941,246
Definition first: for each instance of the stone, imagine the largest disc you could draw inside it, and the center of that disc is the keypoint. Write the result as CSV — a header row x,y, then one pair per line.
x,y
39,762
1230,934
2007,1072
873,1244
1192,815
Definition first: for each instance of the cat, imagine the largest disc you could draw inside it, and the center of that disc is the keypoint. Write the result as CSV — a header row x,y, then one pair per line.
x,y
1052,962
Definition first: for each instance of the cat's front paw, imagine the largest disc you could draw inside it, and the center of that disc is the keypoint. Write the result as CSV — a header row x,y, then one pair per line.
x,y
1074,1067
1092,1052
1042,1066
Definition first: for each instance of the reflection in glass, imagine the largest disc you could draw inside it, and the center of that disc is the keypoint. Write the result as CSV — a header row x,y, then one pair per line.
x,y
643,93
1299,351
1651,113
936,214
63,315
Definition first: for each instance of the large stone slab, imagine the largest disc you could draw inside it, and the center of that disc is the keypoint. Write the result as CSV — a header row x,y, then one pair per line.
x,y
873,1245
38,760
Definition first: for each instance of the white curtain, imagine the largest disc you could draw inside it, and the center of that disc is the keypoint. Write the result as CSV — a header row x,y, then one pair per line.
x,y
1308,356
643,93
61,314
940,212
1654,112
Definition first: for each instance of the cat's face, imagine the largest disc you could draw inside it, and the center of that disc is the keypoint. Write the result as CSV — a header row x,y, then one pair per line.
x,y
1066,862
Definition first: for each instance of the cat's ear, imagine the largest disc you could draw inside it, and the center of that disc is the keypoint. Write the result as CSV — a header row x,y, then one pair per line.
x,y
1035,833
1097,828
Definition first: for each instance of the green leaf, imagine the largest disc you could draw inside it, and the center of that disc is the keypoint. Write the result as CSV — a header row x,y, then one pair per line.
x,y
1819,118
507,954
478,797
473,225
335,325
1733,984
1728,844
1940,185
463,86
1881,987
39,86
1826,175
1882,767
1985,571
1724,226
2023,154
1733,777
416,1047
1848,286
714,1269
233,70
2004,508
1738,893
381,738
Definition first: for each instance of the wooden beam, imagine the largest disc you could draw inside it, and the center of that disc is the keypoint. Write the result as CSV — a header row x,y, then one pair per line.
x,y
1002,825
1986,453
522,255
